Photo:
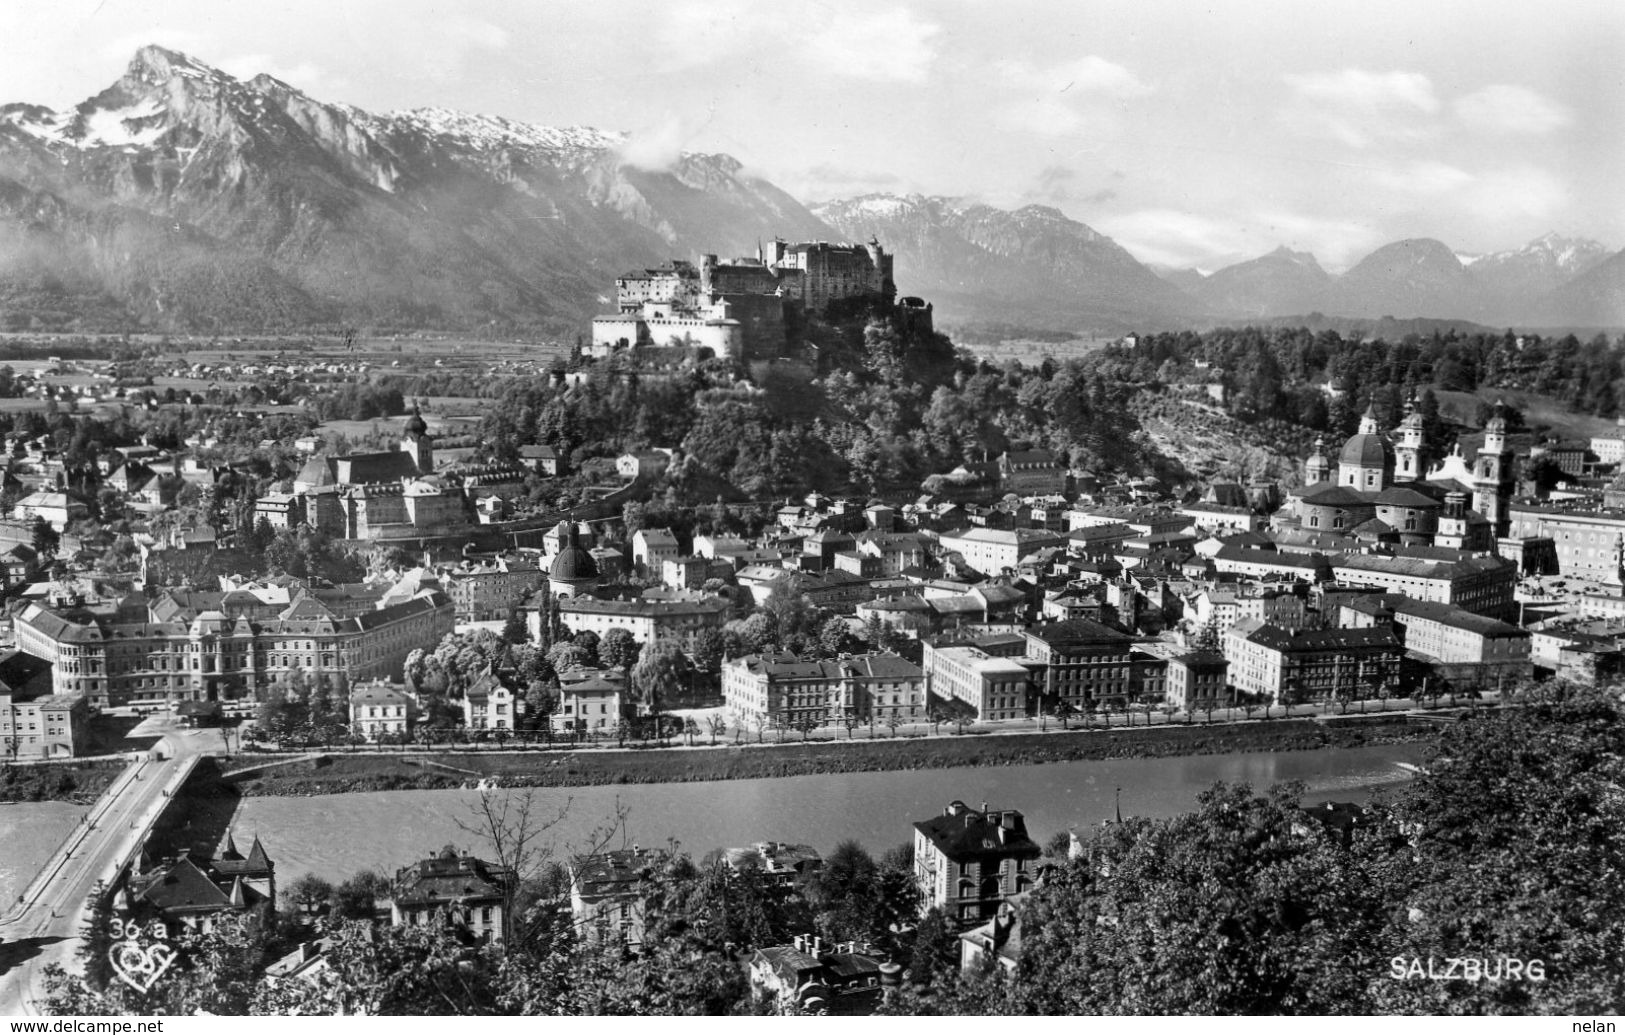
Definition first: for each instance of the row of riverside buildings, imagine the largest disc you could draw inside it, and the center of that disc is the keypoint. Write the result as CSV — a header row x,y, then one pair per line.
x,y
974,866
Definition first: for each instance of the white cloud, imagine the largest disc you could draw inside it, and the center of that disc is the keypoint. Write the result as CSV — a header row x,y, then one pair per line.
x,y
471,32
880,44
1518,192
304,75
1336,243
658,145
1357,88
193,44
1356,107
1069,98
1179,239
886,45
1185,239
1425,177
1089,76
1505,109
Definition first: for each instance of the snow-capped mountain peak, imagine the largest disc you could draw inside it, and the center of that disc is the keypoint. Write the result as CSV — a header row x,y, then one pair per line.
x,y
493,132
1554,250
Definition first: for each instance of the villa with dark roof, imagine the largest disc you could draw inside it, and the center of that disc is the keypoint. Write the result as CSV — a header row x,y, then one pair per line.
x,y
840,979
457,888
967,862
609,892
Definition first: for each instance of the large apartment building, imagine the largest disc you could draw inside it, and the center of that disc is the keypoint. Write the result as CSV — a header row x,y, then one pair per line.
x,y
996,688
174,654
34,722
785,689
1589,540
1084,662
678,620
493,591
1460,645
1482,585
990,551
1282,667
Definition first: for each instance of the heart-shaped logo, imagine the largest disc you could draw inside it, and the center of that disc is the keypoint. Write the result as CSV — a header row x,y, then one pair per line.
x,y
138,967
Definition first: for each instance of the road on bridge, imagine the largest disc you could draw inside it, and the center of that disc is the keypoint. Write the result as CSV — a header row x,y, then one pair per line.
x,y
45,927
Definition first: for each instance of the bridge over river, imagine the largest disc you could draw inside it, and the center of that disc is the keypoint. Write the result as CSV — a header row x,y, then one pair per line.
x,y
44,924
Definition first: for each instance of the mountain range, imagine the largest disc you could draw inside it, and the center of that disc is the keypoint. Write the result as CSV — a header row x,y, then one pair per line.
x,y
183,199
1552,281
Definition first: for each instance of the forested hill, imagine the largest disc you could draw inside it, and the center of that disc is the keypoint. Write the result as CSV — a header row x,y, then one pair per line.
x,y
895,408
1286,372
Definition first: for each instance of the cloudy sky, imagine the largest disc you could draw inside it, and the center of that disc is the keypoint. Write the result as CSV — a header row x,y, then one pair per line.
x,y
1193,133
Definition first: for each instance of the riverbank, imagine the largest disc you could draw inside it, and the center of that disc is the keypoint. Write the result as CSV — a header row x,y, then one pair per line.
x,y
77,783
341,773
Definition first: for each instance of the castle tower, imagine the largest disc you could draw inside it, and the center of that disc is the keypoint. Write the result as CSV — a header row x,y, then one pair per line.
x,y
1317,469
417,443
1412,442
1492,474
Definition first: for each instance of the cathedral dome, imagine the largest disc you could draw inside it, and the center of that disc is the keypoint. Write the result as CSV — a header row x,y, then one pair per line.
x,y
1369,450
415,424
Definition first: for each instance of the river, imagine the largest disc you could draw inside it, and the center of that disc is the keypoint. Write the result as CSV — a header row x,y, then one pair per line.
x,y
333,836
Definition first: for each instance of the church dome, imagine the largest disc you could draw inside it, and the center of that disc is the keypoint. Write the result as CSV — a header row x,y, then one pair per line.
x,y
415,424
573,564
1369,450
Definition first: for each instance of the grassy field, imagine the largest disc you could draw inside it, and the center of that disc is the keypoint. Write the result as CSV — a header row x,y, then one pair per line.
x,y
342,773
1537,410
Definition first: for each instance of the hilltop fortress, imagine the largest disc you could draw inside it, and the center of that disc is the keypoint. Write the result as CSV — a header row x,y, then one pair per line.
x,y
743,308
